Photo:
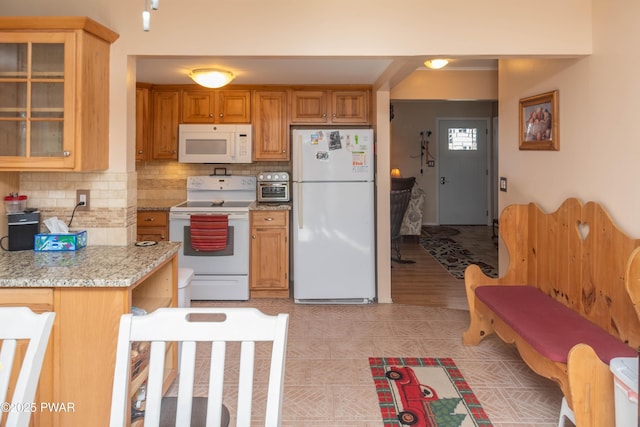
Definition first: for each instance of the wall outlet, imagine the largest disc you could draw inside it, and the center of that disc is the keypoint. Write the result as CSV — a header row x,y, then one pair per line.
x,y
503,184
82,196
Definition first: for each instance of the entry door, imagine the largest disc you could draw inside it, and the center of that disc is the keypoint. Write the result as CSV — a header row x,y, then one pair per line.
x,y
463,170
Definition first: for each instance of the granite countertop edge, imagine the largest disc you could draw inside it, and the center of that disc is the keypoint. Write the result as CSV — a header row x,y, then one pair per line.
x,y
92,266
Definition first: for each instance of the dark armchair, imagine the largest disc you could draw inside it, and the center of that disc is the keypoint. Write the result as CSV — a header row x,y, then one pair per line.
x,y
400,196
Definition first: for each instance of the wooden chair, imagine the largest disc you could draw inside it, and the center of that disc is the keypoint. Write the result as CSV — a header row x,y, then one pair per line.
x,y
17,324
189,326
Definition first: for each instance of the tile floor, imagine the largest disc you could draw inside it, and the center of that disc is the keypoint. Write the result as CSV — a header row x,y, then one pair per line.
x,y
328,382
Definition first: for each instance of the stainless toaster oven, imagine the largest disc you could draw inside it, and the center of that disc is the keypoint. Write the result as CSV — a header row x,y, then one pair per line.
x,y
273,187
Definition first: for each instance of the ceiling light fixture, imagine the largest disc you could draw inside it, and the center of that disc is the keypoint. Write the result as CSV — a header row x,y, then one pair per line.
x,y
211,77
435,64
146,15
146,18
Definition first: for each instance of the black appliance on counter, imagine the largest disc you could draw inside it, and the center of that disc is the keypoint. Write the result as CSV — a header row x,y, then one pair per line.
x,y
23,227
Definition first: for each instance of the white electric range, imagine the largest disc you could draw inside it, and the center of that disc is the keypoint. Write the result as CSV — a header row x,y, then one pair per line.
x,y
223,274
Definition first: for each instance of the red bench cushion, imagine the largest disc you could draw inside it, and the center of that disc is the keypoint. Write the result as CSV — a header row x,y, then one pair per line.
x,y
547,325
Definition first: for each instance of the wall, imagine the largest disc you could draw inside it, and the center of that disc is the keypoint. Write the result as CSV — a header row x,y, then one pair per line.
x,y
412,117
599,147
448,85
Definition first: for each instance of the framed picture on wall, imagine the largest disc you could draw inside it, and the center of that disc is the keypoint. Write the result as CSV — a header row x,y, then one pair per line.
x,y
539,122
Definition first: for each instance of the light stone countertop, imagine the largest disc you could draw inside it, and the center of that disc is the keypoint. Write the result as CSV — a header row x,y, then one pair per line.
x,y
282,206
92,266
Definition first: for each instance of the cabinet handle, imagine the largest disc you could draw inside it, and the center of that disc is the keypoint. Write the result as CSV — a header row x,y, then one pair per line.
x,y
324,115
253,236
268,218
149,219
140,151
211,115
221,115
66,153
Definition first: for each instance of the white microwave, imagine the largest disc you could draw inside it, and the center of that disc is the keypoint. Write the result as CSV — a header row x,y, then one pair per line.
x,y
209,143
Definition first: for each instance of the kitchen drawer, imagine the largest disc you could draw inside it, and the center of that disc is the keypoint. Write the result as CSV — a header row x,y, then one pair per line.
x,y
269,219
152,219
157,234
37,299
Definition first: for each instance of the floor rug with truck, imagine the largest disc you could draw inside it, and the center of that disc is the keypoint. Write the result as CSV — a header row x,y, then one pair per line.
x,y
428,392
453,257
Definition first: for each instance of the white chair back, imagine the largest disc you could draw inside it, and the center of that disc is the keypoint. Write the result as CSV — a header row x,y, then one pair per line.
x,y
20,323
190,326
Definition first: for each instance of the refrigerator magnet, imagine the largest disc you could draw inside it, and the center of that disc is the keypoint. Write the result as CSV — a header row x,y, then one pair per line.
x,y
322,155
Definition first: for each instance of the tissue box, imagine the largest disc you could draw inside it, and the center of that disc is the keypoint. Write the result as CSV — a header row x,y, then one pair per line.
x,y
60,242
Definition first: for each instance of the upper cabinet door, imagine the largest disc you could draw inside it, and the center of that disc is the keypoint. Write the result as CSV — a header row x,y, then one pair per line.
x,y
198,106
36,95
309,106
166,113
54,94
233,106
270,125
142,124
350,106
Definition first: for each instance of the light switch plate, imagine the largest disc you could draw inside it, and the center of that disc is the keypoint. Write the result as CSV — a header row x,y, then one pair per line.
x,y
503,183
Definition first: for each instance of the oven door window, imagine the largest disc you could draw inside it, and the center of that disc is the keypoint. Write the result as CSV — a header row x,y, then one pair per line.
x,y
189,251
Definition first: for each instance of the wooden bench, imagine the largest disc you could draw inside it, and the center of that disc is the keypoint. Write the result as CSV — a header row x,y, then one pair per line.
x,y
563,300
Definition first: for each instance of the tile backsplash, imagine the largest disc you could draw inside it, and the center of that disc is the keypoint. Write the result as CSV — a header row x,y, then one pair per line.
x,y
164,182
115,197
112,198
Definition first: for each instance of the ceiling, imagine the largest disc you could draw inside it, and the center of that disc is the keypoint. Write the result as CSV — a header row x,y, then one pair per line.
x,y
287,70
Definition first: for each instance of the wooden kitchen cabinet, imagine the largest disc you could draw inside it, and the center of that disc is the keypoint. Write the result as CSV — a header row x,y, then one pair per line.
x,y
270,125
54,94
330,106
165,112
152,225
216,106
269,254
143,121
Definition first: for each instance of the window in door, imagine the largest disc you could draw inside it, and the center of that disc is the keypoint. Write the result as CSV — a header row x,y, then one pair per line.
x,y
463,139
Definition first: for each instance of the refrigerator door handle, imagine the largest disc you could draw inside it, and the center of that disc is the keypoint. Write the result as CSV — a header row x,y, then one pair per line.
x,y
299,200
299,172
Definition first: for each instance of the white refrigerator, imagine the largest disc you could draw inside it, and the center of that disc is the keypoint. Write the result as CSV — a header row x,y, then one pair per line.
x,y
333,222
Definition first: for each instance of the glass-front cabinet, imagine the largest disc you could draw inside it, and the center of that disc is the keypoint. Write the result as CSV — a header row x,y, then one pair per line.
x,y
32,97
54,96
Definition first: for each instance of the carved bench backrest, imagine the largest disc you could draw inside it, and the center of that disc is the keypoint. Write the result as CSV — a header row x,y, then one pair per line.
x,y
578,256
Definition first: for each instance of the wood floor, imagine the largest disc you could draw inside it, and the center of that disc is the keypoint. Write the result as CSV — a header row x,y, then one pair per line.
x,y
426,282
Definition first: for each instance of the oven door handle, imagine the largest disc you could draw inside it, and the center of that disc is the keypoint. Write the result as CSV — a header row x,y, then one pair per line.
x,y
187,216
